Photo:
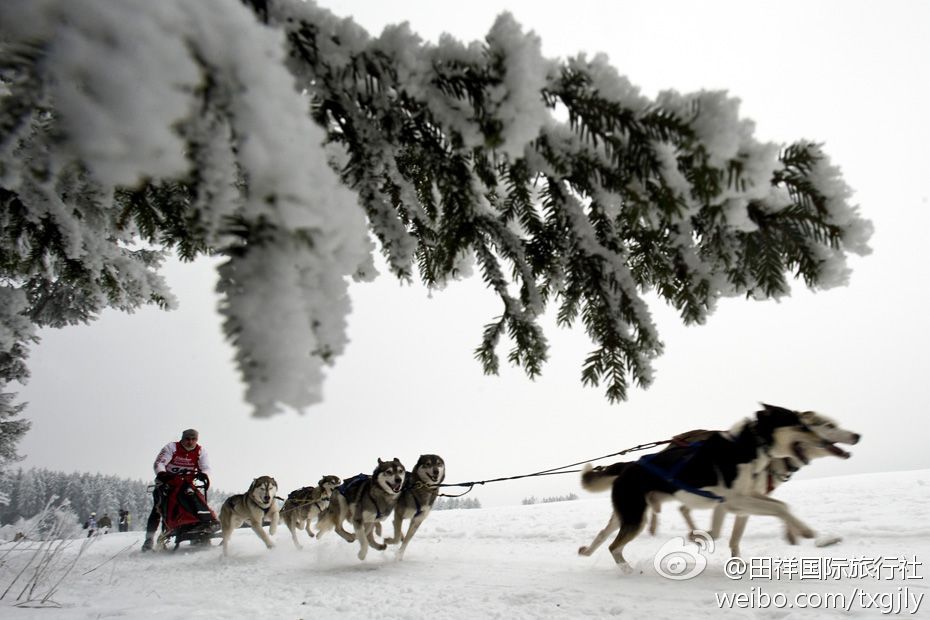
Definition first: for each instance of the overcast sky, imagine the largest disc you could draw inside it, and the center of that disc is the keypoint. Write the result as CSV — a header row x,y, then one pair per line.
x,y
853,75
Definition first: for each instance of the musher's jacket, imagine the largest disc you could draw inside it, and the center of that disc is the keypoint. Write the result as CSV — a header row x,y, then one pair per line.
x,y
174,459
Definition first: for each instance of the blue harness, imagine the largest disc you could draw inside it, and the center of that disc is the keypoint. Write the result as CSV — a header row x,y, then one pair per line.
x,y
671,475
348,483
355,481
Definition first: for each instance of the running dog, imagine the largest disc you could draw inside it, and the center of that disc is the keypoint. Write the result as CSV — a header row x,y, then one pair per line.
x,y
302,505
254,506
421,488
780,471
722,468
777,473
366,501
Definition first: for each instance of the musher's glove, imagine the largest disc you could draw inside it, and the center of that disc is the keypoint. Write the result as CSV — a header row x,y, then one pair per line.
x,y
163,476
204,478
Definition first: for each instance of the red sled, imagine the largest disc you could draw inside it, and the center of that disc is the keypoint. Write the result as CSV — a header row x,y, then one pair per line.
x,y
185,514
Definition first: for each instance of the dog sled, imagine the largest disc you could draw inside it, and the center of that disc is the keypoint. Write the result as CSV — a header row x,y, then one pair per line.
x,y
185,514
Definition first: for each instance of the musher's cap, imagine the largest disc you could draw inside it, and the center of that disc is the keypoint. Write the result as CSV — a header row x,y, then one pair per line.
x,y
190,434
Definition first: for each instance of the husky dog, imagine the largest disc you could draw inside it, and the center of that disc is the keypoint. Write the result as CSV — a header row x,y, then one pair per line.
x,y
723,468
778,472
302,505
254,506
366,501
421,488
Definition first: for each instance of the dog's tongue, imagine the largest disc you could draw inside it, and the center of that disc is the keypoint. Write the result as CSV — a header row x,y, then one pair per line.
x,y
396,487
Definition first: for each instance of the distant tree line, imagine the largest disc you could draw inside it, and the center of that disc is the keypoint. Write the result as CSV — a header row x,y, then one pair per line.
x,y
27,492
453,503
528,501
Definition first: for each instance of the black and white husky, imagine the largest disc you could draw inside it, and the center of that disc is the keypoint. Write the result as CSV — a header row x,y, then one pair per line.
x,y
777,473
365,501
724,468
780,471
421,488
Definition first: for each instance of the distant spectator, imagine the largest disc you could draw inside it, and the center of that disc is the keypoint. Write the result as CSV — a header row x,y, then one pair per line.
x,y
124,520
105,523
91,524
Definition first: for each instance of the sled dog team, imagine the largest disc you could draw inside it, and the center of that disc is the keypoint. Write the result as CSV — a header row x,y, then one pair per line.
x,y
363,500
729,471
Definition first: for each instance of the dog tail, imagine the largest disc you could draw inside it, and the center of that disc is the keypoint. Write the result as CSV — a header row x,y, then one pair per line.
x,y
600,478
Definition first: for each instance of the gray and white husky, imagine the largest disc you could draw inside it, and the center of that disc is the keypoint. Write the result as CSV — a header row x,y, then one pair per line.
x,y
302,505
421,488
724,467
255,505
365,501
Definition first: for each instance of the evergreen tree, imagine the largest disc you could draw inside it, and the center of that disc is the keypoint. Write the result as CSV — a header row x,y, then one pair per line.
x,y
457,503
12,428
76,493
452,156
107,501
13,491
30,491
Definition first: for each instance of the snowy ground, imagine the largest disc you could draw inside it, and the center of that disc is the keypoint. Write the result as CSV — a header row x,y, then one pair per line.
x,y
521,562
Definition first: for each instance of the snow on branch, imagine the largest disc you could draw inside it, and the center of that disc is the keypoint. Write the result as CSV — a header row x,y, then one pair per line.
x,y
279,135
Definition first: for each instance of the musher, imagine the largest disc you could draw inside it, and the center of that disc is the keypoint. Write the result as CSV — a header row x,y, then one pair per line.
x,y
183,457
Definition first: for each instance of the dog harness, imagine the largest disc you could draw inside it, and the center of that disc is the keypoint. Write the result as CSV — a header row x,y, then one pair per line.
x,y
410,485
298,502
671,475
354,481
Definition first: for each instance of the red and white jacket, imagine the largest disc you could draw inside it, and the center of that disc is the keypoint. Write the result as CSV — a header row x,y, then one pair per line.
x,y
174,459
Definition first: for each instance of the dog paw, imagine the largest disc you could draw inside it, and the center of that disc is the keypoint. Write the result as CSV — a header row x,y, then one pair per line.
x,y
583,551
362,554
625,568
379,546
390,541
827,540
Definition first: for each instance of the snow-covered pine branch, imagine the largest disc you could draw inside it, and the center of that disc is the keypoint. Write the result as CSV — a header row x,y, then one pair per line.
x,y
174,123
185,126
